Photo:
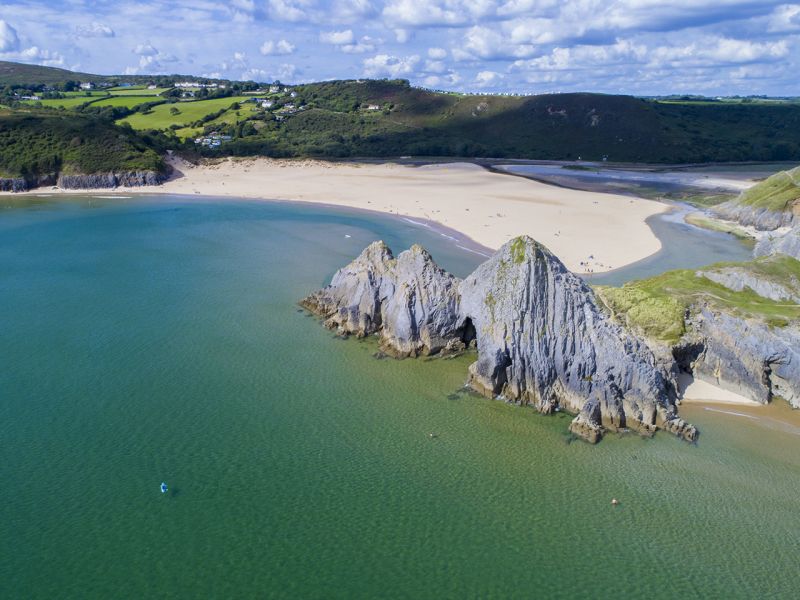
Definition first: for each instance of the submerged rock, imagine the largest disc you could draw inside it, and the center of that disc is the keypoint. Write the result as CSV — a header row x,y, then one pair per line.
x,y
541,338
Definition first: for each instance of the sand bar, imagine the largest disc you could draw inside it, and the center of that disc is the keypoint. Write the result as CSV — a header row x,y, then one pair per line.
x,y
587,230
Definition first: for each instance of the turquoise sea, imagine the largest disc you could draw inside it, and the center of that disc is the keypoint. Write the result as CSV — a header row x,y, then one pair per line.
x,y
158,339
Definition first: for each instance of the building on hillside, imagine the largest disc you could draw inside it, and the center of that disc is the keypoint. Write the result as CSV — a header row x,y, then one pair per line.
x,y
151,86
274,89
87,85
373,107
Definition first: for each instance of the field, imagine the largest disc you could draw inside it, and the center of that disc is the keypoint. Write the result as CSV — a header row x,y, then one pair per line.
x,y
161,118
137,91
72,102
126,101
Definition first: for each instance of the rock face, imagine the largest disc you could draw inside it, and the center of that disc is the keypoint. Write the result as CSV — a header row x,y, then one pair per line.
x,y
744,356
541,338
84,182
410,300
738,279
757,217
788,243
110,180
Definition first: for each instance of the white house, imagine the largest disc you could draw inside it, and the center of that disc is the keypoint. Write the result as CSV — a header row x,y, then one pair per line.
x,y
373,107
87,85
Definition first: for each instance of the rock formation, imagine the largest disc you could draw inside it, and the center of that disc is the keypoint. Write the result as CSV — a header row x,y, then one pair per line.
x,y
410,300
742,355
84,182
541,338
110,180
787,243
760,218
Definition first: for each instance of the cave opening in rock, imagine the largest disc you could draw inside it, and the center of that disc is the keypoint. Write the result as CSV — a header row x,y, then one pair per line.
x,y
468,333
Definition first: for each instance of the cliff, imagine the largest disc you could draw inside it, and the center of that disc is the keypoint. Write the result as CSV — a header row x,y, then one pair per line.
x,y
768,205
787,243
735,325
541,338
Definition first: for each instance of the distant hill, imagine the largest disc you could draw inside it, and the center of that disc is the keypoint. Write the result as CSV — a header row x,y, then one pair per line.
x,y
20,74
12,73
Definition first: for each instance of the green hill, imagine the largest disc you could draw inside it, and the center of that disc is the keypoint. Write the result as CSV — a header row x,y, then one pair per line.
x,y
20,74
391,118
36,144
776,193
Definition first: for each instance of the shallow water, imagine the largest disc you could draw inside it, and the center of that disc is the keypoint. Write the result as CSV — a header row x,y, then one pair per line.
x,y
156,339
683,246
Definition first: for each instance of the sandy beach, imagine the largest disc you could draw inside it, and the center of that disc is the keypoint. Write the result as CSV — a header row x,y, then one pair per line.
x,y
588,231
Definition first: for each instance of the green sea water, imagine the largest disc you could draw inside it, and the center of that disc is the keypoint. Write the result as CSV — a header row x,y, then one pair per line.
x,y
158,339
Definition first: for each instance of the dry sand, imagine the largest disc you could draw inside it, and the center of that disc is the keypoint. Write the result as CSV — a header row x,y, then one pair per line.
x,y
696,390
489,208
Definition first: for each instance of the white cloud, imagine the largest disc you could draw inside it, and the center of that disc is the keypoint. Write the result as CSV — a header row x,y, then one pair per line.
x,y
337,38
402,35
437,12
145,50
41,56
437,53
487,78
785,19
94,29
385,65
281,47
9,40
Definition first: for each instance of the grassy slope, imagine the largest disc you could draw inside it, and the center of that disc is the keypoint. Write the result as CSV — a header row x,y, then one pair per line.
x,y
40,142
126,101
656,306
160,117
776,193
70,102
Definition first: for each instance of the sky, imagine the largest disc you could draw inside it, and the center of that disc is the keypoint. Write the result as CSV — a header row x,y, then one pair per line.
x,y
642,47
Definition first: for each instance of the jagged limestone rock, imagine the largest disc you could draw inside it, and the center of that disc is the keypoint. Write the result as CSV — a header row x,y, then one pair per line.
x,y
410,300
738,279
541,338
743,355
758,217
788,243
543,341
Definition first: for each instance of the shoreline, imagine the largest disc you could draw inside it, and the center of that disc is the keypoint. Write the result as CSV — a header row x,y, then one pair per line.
x,y
591,232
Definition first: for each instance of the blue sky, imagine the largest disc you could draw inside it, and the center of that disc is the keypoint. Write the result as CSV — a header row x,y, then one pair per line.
x,y
629,46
